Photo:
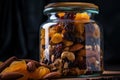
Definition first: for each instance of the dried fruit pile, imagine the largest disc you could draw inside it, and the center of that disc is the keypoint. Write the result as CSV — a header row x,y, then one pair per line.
x,y
25,69
72,45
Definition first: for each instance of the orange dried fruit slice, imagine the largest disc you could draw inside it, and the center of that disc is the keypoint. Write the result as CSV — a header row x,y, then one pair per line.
x,y
57,38
16,66
41,72
82,16
52,31
61,14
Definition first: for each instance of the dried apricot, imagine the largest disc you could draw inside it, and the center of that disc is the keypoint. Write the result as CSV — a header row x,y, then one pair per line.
x,y
41,72
82,16
57,38
52,31
18,66
61,14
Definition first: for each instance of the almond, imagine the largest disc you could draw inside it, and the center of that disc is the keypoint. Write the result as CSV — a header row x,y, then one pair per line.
x,y
52,75
76,47
10,76
7,63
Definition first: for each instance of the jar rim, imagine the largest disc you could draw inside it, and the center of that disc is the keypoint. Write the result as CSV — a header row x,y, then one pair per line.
x,y
70,6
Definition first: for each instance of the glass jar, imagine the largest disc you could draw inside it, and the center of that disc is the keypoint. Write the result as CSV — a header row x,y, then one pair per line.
x,y
71,40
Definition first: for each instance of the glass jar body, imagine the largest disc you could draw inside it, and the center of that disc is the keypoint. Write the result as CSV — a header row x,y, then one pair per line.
x,y
71,43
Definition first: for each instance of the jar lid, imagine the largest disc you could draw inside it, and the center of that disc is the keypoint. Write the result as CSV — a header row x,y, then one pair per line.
x,y
70,6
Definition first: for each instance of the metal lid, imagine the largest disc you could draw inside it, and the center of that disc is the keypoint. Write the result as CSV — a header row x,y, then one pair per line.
x,y
70,6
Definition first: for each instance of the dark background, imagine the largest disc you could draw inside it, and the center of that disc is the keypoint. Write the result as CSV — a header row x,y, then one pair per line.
x,y
20,21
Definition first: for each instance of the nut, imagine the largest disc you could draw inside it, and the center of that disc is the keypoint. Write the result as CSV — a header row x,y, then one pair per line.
x,y
52,75
77,71
66,48
76,47
87,53
10,76
57,65
69,55
65,65
68,43
7,63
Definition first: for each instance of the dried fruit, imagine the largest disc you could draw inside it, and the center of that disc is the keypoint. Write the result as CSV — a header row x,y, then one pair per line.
x,y
69,15
61,14
40,72
57,38
69,55
56,65
11,76
82,16
73,45
69,27
67,43
7,63
42,33
42,41
76,47
16,66
52,31
69,36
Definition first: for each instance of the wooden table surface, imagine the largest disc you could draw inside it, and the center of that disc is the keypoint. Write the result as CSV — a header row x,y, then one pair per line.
x,y
107,75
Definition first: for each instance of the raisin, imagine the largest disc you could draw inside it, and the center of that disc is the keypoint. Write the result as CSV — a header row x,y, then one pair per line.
x,y
69,26
69,16
69,36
